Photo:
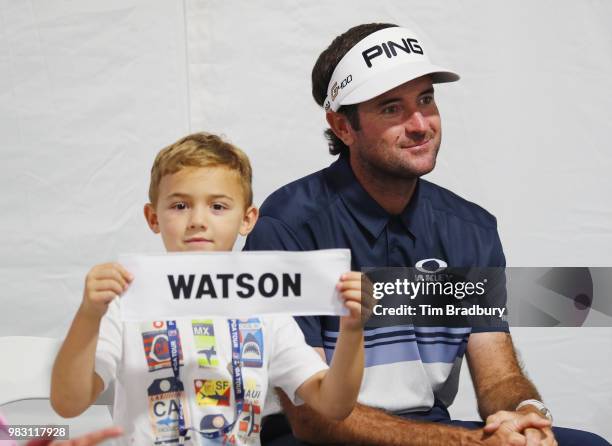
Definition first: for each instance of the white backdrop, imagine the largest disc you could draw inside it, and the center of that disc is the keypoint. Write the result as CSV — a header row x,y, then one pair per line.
x,y
90,91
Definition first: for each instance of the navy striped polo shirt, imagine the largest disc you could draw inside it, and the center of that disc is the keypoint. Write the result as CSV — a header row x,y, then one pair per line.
x,y
407,367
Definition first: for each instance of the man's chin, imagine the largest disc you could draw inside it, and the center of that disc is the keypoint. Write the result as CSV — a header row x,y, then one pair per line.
x,y
410,170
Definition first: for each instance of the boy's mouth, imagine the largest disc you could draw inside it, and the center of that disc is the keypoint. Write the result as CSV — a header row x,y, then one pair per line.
x,y
197,241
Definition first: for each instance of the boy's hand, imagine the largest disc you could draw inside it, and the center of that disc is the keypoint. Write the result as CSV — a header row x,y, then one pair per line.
x,y
351,293
103,283
91,439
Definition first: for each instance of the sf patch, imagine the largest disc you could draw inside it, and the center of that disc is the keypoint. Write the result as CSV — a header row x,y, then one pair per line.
x,y
251,341
212,392
155,342
164,395
204,338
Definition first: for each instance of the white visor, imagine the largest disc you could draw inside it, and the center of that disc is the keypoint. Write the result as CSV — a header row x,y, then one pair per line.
x,y
378,63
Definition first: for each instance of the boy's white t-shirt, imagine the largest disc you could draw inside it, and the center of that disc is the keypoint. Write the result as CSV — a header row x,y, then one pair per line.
x,y
135,354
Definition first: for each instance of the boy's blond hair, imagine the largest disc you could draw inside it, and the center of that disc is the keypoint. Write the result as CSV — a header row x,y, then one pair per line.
x,y
201,150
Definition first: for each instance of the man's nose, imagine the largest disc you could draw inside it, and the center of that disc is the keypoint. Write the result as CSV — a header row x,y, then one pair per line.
x,y
415,123
198,218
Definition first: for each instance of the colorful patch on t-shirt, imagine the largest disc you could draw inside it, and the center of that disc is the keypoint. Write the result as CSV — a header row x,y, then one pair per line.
x,y
252,391
249,420
213,422
251,341
164,395
155,341
212,392
229,438
204,338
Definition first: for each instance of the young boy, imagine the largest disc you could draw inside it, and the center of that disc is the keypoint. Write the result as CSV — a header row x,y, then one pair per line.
x,y
200,200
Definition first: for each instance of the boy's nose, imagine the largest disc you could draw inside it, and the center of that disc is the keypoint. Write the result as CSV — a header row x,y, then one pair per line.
x,y
198,219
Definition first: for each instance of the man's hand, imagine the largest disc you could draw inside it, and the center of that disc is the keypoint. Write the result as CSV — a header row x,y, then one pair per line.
x,y
103,283
510,430
535,428
543,436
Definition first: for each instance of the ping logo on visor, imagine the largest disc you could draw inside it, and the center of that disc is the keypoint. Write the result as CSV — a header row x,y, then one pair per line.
x,y
378,63
390,48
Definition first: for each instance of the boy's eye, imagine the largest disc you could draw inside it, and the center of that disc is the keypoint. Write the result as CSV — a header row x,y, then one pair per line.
x,y
218,206
180,206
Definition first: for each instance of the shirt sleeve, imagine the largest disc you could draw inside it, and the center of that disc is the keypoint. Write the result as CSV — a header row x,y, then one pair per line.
x,y
497,257
311,327
496,278
292,361
109,348
271,234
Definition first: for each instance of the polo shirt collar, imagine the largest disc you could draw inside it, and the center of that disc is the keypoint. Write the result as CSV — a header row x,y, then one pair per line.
x,y
363,207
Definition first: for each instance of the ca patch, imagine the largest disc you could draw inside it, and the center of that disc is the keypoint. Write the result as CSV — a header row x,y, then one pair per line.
x,y
251,341
212,392
155,341
204,337
164,396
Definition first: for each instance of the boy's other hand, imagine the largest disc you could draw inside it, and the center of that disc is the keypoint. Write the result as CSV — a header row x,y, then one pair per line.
x,y
91,439
350,290
103,283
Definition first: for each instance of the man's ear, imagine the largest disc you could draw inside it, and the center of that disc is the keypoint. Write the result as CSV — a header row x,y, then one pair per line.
x,y
151,217
341,127
249,220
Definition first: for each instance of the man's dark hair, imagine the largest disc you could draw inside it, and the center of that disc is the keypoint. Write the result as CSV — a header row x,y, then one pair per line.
x,y
323,70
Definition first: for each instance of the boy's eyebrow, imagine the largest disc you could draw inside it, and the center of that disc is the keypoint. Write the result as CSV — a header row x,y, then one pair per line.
x,y
184,195
221,196
177,195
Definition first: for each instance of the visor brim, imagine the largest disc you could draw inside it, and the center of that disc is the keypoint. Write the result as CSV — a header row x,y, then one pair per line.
x,y
383,82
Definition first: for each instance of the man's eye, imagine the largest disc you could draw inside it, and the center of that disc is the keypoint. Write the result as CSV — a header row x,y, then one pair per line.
x,y
427,100
390,109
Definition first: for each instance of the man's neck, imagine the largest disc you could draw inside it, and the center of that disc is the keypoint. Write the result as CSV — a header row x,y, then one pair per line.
x,y
392,193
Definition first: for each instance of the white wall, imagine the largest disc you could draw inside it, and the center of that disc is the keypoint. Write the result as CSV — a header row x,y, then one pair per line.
x,y
89,91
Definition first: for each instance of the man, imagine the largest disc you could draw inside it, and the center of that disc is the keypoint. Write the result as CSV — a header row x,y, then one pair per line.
x,y
375,83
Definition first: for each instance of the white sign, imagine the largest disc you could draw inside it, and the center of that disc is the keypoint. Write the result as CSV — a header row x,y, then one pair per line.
x,y
234,284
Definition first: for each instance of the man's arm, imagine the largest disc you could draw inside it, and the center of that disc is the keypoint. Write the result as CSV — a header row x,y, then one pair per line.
x,y
500,386
498,380
366,425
